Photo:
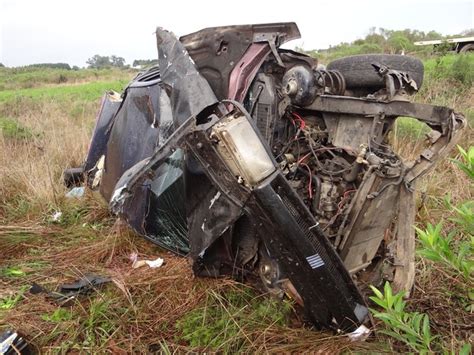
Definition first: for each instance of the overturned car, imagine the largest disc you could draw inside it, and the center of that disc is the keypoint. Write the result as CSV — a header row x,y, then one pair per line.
x,y
256,162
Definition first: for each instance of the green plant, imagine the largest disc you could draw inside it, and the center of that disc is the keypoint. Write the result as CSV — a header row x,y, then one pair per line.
x,y
11,301
59,315
455,254
98,325
464,217
441,249
12,271
463,69
410,328
467,163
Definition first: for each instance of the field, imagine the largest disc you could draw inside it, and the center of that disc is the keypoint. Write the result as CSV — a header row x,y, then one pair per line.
x,y
46,119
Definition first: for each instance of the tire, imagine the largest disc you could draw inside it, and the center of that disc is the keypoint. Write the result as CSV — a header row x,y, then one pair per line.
x,y
359,73
467,48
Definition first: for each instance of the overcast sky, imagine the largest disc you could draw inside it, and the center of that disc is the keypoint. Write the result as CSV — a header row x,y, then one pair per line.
x,y
38,31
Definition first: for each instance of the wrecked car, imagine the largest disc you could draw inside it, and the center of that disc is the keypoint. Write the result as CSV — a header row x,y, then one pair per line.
x,y
253,160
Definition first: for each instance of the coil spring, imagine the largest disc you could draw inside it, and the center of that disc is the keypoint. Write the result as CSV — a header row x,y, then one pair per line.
x,y
330,81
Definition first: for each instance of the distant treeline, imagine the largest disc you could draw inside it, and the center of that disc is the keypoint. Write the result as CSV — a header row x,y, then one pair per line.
x,y
381,40
63,66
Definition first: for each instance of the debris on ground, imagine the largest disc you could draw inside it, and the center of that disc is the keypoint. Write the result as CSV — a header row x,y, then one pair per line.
x,y
76,192
56,217
69,291
360,334
158,262
12,343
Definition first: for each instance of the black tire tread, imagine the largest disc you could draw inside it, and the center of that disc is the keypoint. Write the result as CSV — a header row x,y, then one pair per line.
x,y
359,73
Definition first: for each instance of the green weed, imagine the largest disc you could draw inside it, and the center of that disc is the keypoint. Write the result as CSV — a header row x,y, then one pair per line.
x,y
11,301
59,315
12,271
455,255
410,328
438,248
98,326
467,162
463,217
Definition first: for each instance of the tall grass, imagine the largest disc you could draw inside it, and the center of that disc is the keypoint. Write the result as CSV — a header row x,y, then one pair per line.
x,y
43,131
46,128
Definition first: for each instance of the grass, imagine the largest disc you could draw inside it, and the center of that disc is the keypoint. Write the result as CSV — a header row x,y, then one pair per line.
x,y
11,128
46,128
64,93
226,321
22,78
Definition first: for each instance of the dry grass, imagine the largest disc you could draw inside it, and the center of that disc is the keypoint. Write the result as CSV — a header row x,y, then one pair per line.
x,y
139,311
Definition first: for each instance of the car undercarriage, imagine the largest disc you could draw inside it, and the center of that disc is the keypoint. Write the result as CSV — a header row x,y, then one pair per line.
x,y
258,163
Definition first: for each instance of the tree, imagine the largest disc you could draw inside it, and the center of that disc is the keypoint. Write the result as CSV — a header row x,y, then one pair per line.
x,y
99,62
105,61
118,62
399,42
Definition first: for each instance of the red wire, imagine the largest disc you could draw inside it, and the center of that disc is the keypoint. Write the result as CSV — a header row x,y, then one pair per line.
x,y
300,119
302,126
303,158
344,197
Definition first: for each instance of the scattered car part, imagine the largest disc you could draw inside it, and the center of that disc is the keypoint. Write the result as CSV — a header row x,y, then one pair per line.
x,y
254,160
11,343
70,291
136,263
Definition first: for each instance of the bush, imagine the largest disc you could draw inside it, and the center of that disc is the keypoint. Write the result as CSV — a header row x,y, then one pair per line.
x,y
463,69
64,66
454,67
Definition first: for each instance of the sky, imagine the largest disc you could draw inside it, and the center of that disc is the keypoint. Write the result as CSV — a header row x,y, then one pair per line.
x,y
71,31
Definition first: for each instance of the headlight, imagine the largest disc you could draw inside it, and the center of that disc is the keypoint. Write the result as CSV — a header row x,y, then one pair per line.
x,y
242,150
